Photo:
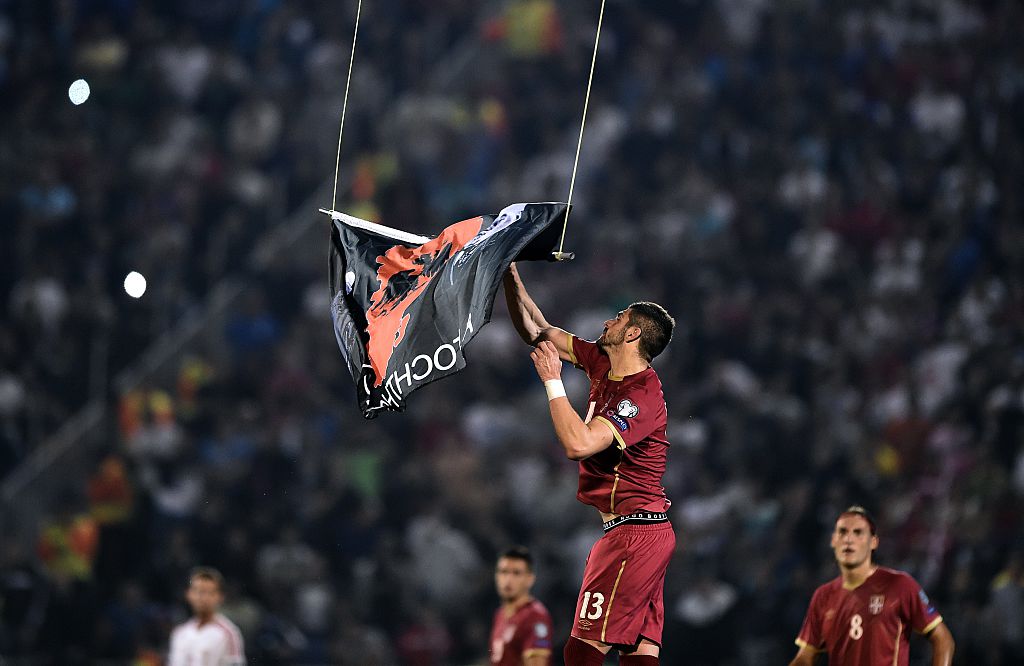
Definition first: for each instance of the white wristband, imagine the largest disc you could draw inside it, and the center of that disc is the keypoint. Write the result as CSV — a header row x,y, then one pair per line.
x,y
554,388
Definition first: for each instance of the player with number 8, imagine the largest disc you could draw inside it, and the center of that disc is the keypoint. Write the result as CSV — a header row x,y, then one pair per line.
x,y
864,617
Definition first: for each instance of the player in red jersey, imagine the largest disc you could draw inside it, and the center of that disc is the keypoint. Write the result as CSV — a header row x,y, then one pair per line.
x,y
622,448
864,617
521,632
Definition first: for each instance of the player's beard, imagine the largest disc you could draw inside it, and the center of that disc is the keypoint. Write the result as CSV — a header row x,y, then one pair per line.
x,y
612,340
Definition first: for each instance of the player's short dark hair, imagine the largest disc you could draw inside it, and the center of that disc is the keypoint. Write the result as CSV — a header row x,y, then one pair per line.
x,y
207,573
656,326
858,510
518,553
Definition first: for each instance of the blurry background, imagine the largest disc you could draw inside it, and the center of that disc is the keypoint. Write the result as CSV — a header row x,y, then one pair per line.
x,y
827,196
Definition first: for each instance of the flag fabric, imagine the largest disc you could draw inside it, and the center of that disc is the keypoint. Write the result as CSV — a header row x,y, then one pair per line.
x,y
405,306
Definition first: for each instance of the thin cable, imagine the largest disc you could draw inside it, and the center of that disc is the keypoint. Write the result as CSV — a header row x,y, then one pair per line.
x,y
583,122
344,104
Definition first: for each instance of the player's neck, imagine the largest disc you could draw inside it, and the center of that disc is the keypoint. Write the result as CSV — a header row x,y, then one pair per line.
x,y
510,607
854,578
205,618
625,361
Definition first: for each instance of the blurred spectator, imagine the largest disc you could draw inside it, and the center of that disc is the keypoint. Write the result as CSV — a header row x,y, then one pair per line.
x,y
424,641
281,566
528,28
112,504
445,563
1006,608
129,624
67,543
67,549
705,618
23,600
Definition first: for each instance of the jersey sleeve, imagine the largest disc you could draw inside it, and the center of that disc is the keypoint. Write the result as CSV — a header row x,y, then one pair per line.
x,y
635,415
585,354
234,654
229,649
537,638
810,635
921,614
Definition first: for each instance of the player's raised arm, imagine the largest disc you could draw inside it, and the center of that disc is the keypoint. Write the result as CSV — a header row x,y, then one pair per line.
x,y
579,440
805,657
527,318
942,645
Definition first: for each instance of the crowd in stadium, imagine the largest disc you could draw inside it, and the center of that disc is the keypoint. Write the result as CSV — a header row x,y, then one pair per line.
x,y
825,195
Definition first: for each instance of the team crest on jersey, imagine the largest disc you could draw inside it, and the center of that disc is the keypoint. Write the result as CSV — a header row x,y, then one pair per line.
x,y
876,604
627,408
540,630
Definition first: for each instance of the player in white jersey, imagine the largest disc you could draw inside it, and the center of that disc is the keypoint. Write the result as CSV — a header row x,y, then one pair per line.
x,y
209,638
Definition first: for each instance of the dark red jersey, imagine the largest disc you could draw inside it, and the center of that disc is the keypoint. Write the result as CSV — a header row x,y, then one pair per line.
x,y
870,624
525,633
625,477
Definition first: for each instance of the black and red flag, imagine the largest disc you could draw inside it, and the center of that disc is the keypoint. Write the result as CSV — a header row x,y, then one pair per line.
x,y
405,306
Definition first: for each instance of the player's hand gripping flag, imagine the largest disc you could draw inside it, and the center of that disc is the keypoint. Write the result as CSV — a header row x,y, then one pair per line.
x,y
405,306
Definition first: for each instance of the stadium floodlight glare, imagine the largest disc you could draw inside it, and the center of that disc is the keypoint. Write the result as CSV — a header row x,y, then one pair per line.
x,y
135,284
79,91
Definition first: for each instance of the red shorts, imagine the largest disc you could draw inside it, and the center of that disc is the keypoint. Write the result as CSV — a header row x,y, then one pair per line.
x,y
623,595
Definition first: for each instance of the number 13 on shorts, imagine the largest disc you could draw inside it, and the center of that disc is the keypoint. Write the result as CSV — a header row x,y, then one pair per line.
x,y
593,606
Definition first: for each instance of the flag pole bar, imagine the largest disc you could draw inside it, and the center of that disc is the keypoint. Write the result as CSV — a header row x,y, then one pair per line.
x,y
373,227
